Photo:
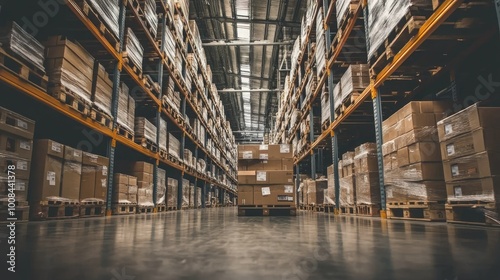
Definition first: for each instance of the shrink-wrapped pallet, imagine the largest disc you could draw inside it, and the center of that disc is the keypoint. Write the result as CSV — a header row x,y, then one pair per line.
x,y
145,129
133,48
22,44
109,11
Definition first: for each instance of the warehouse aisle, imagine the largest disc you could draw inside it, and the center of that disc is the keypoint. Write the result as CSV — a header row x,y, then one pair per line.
x,y
216,244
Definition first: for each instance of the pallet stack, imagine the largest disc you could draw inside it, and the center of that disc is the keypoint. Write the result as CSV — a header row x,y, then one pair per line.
x,y
134,51
315,190
347,179
353,82
367,180
265,180
172,193
415,181
161,191
471,156
16,143
145,134
94,185
124,199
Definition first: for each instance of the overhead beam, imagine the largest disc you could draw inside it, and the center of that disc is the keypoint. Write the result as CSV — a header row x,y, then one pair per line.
x,y
244,44
251,21
246,90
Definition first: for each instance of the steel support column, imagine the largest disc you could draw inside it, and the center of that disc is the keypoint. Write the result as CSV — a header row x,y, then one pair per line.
x,y
377,114
497,5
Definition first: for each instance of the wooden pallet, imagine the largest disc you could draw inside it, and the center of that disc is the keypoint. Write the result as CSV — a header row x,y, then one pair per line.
x,y
348,210
29,73
161,208
340,110
407,27
146,143
171,208
319,208
477,213
21,214
137,69
92,210
416,210
44,211
137,7
98,21
71,99
102,118
92,202
174,159
265,211
325,125
124,132
329,208
124,209
145,209
163,153
62,201
371,210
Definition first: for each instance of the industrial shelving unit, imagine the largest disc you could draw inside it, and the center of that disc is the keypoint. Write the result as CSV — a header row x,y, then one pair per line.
x,y
105,48
379,76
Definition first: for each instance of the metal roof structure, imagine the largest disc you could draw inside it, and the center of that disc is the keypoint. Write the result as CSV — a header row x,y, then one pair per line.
x,y
245,42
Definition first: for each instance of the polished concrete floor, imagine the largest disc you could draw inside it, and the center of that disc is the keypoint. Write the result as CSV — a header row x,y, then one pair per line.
x,y
216,244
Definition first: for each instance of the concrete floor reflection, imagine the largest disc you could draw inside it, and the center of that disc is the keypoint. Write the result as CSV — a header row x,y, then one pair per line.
x,y
216,244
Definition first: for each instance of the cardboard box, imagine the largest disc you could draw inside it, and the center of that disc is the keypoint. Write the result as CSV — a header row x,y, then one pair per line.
x,y
132,180
387,162
46,174
71,178
390,133
256,164
248,151
22,165
265,152
394,160
470,191
423,134
367,163
72,154
101,182
416,191
88,181
16,145
468,120
20,188
424,152
119,178
388,147
142,167
245,195
348,190
428,171
15,124
144,177
475,166
316,191
415,121
473,142
423,107
281,151
265,177
274,195
403,157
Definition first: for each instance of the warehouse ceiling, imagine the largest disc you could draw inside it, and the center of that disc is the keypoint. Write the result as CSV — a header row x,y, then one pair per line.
x,y
252,68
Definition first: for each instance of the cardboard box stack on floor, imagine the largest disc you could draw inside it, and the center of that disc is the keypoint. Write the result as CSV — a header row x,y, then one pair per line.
x,y
191,195
411,146
330,192
124,189
16,146
94,181
347,180
143,172
265,175
366,175
185,194
161,192
315,190
471,155
172,192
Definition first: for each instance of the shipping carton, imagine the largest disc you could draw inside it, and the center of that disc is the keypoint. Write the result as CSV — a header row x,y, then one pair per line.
x,y
468,120
477,141
16,145
45,177
274,195
475,166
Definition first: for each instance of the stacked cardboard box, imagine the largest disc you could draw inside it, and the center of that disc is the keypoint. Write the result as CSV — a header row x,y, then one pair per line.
x,y
149,9
415,172
69,66
109,12
124,189
174,146
325,106
71,174
366,175
20,43
265,175
161,191
169,47
471,155
354,80
316,191
185,193
321,47
198,197
16,143
330,192
45,178
192,191
102,89
172,192
347,180
126,109
94,181
144,129
133,48
143,172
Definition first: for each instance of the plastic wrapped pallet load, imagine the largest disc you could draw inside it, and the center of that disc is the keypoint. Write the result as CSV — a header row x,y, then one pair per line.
x,y
102,96
174,146
145,129
161,191
134,49
22,44
110,12
342,8
384,16
356,78
149,8
185,193
366,174
325,105
183,5
169,47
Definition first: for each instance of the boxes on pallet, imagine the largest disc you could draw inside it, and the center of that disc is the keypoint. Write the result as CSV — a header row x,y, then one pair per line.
x,y
149,9
126,109
69,66
23,45
134,51
325,106
94,180
185,193
367,187
192,191
172,192
144,129
330,192
354,80
342,9
321,47
183,5
109,11
169,46
45,177
161,190
124,189
102,89
316,191
179,27
174,146
384,16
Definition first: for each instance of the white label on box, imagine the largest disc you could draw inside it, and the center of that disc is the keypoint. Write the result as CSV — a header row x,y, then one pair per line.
x,y
389,193
264,147
264,156
458,191
247,155
448,129
20,186
51,177
103,183
22,124
454,170
261,176
104,171
56,147
22,165
25,145
284,148
450,149
266,191
288,189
